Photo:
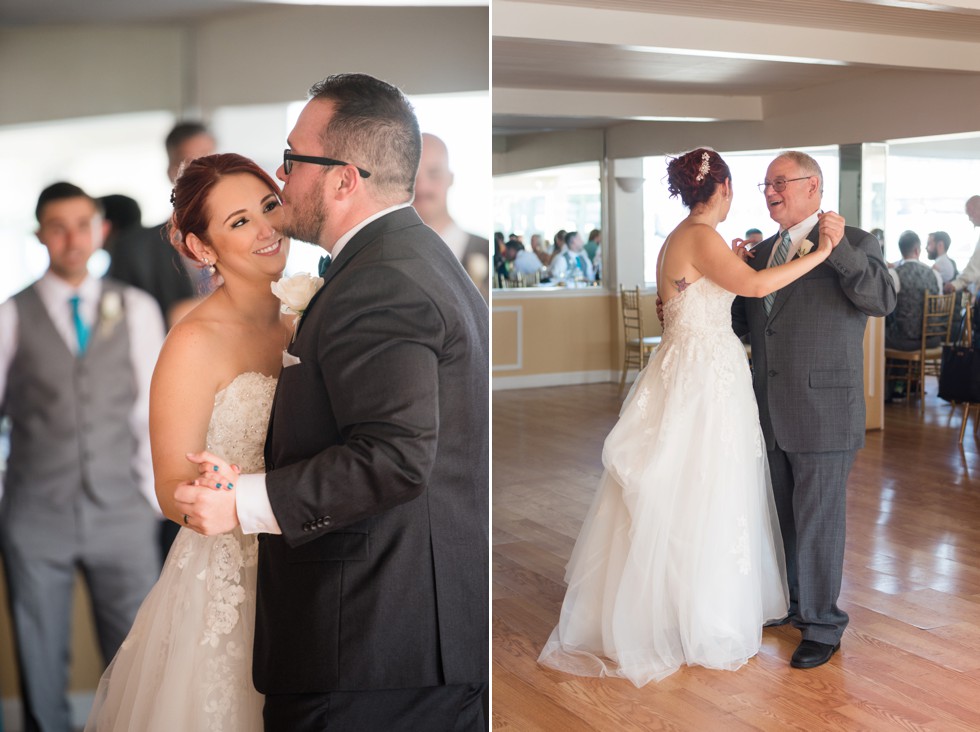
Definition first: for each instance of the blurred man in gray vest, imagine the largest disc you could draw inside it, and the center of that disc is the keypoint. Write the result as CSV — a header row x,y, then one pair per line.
x,y
76,356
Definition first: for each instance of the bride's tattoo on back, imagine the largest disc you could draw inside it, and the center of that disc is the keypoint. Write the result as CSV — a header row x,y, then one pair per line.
x,y
681,284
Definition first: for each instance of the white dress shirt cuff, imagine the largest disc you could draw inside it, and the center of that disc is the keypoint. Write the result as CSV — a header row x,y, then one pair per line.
x,y
253,507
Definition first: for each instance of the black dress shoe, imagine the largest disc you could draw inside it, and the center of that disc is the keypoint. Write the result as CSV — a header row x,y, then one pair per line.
x,y
811,654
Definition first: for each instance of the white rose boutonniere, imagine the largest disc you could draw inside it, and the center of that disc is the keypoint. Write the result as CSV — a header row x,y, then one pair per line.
x,y
805,248
110,312
295,293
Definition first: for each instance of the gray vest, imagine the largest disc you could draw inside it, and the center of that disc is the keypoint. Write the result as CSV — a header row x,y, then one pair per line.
x,y
70,429
905,322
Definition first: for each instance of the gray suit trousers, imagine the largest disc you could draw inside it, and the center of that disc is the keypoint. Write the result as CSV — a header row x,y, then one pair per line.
x,y
809,490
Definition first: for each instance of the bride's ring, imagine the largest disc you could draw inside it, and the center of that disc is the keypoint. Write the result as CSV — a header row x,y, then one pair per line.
x,y
185,520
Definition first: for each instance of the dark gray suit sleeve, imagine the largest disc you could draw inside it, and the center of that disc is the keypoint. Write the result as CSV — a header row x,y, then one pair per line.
x,y
740,321
863,273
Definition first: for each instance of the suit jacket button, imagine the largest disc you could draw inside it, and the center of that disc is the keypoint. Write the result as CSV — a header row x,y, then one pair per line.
x,y
772,372
306,526
769,331
326,520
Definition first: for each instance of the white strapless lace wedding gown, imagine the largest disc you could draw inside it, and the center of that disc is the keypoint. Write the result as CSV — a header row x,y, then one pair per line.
x,y
679,560
186,665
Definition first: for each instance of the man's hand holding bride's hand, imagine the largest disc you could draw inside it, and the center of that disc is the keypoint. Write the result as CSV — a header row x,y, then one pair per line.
x,y
831,225
208,503
741,248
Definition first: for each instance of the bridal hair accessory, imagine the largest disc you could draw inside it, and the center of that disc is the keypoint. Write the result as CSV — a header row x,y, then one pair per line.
x,y
209,267
705,166
173,196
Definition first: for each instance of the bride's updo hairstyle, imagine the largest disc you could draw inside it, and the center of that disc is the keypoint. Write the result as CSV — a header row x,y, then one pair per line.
x,y
192,190
695,175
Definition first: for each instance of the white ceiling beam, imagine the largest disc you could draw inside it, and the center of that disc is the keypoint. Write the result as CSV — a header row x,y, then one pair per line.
x,y
625,105
711,37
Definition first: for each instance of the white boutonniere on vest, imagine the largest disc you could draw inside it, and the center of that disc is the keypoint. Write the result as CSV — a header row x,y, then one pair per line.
x,y
805,248
295,293
110,312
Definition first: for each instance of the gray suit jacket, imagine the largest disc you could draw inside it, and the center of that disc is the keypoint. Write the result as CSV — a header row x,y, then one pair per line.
x,y
378,474
808,353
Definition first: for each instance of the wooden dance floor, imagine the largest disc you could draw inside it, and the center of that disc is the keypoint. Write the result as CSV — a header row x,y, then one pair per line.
x,y
910,659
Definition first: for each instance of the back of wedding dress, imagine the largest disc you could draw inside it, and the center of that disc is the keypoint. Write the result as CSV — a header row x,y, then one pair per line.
x,y
187,661
679,559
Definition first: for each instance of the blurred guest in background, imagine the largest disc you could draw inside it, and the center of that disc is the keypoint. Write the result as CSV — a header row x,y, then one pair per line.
x,y
937,246
753,237
572,261
593,244
76,356
970,276
522,261
144,258
558,246
913,279
431,202
123,215
538,248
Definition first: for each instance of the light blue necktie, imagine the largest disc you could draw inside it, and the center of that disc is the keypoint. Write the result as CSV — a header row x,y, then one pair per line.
x,y
81,330
324,265
777,259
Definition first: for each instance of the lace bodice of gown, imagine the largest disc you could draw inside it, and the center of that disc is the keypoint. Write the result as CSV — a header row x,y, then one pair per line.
x,y
239,421
703,308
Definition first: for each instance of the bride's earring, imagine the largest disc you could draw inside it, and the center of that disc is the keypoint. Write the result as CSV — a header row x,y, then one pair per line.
x,y
209,267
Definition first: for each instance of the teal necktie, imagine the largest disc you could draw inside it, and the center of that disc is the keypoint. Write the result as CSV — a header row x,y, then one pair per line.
x,y
777,259
81,330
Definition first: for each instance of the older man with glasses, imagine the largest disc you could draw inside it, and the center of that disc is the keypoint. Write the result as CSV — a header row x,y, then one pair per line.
x,y
808,374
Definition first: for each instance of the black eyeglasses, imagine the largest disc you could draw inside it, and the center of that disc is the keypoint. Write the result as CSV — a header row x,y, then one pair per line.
x,y
778,185
288,158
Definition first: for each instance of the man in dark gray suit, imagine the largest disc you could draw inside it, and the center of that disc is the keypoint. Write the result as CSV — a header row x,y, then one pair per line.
x,y
808,374
372,609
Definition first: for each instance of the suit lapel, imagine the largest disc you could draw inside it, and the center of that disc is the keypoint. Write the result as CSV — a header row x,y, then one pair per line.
x,y
400,219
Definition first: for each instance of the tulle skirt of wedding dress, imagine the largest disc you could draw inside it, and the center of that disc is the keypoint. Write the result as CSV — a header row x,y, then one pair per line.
x,y
186,665
679,560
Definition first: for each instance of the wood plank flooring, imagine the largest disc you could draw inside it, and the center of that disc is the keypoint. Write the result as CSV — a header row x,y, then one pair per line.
x,y
910,659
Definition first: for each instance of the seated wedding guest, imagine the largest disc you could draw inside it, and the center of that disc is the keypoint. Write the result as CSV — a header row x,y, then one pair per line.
x,y
522,261
76,356
571,259
539,249
913,279
592,244
432,184
558,246
937,246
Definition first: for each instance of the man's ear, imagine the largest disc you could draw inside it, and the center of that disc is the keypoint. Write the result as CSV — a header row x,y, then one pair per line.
x,y
348,183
